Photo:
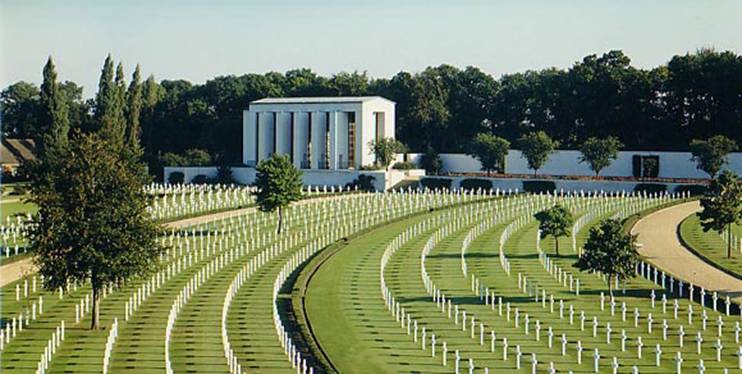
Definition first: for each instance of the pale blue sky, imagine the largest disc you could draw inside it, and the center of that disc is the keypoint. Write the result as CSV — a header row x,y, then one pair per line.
x,y
197,40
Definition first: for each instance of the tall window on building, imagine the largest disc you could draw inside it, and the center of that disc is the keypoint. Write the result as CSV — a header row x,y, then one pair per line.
x,y
379,119
351,139
308,157
326,159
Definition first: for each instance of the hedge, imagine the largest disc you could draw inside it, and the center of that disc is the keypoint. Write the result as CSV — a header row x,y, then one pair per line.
x,y
537,187
436,183
650,187
476,184
176,177
694,189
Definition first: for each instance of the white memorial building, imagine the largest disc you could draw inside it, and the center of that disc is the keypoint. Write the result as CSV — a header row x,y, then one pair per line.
x,y
317,132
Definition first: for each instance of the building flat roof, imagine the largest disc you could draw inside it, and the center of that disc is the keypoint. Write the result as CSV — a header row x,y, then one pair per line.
x,y
318,100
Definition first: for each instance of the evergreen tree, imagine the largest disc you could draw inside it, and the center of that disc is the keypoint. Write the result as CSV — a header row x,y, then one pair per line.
x,y
104,99
54,115
134,110
110,103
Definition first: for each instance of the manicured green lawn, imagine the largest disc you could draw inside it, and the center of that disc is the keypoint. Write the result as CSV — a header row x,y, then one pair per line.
x,y
348,316
711,246
12,206
351,324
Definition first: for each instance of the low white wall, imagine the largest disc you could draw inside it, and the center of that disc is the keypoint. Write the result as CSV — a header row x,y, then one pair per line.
x,y
561,185
246,175
566,162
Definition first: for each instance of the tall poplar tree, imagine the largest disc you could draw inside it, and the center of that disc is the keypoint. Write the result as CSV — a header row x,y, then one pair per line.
x,y
54,115
104,99
134,110
110,103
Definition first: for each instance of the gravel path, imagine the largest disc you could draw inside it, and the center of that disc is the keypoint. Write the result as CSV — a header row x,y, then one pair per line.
x,y
661,246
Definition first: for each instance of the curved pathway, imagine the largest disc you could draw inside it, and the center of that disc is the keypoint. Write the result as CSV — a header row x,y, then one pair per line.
x,y
661,246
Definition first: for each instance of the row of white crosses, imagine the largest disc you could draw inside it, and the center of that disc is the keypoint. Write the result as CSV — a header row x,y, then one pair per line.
x,y
379,207
113,333
445,307
290,349
146,288
734,239
222,261
608,327
185,203
615,359
50,349
622,206
405,205
16,324
676,286
13,235
718,346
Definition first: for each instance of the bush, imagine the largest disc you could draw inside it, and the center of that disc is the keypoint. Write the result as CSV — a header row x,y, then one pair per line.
x,y
176,177
650,187
224,175
537,187
694,189
404,166
200,179
364,182
197,157
436,183
474,184
431,161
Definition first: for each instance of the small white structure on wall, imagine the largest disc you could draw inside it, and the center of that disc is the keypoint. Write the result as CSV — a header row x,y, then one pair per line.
x,y
316,132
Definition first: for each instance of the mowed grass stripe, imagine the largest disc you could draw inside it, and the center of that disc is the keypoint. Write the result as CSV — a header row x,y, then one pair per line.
x,y
348,315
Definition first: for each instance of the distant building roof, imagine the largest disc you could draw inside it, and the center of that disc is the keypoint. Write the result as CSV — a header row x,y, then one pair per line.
x,y
15,151
318,100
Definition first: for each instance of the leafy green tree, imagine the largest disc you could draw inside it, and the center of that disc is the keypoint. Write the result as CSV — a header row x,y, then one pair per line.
x,y
536,148
722,206
490,150
19,104
197,157
599,153
555,222
279,184
385,150
710,155
429,109
92,224
349,84
610,251
134,109
54,115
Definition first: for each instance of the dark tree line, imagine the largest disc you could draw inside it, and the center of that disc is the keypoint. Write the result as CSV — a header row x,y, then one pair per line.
x,y
693,96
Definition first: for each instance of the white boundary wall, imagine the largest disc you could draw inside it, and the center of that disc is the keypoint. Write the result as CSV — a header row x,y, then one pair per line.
x,y
382,180
561,184
565,162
